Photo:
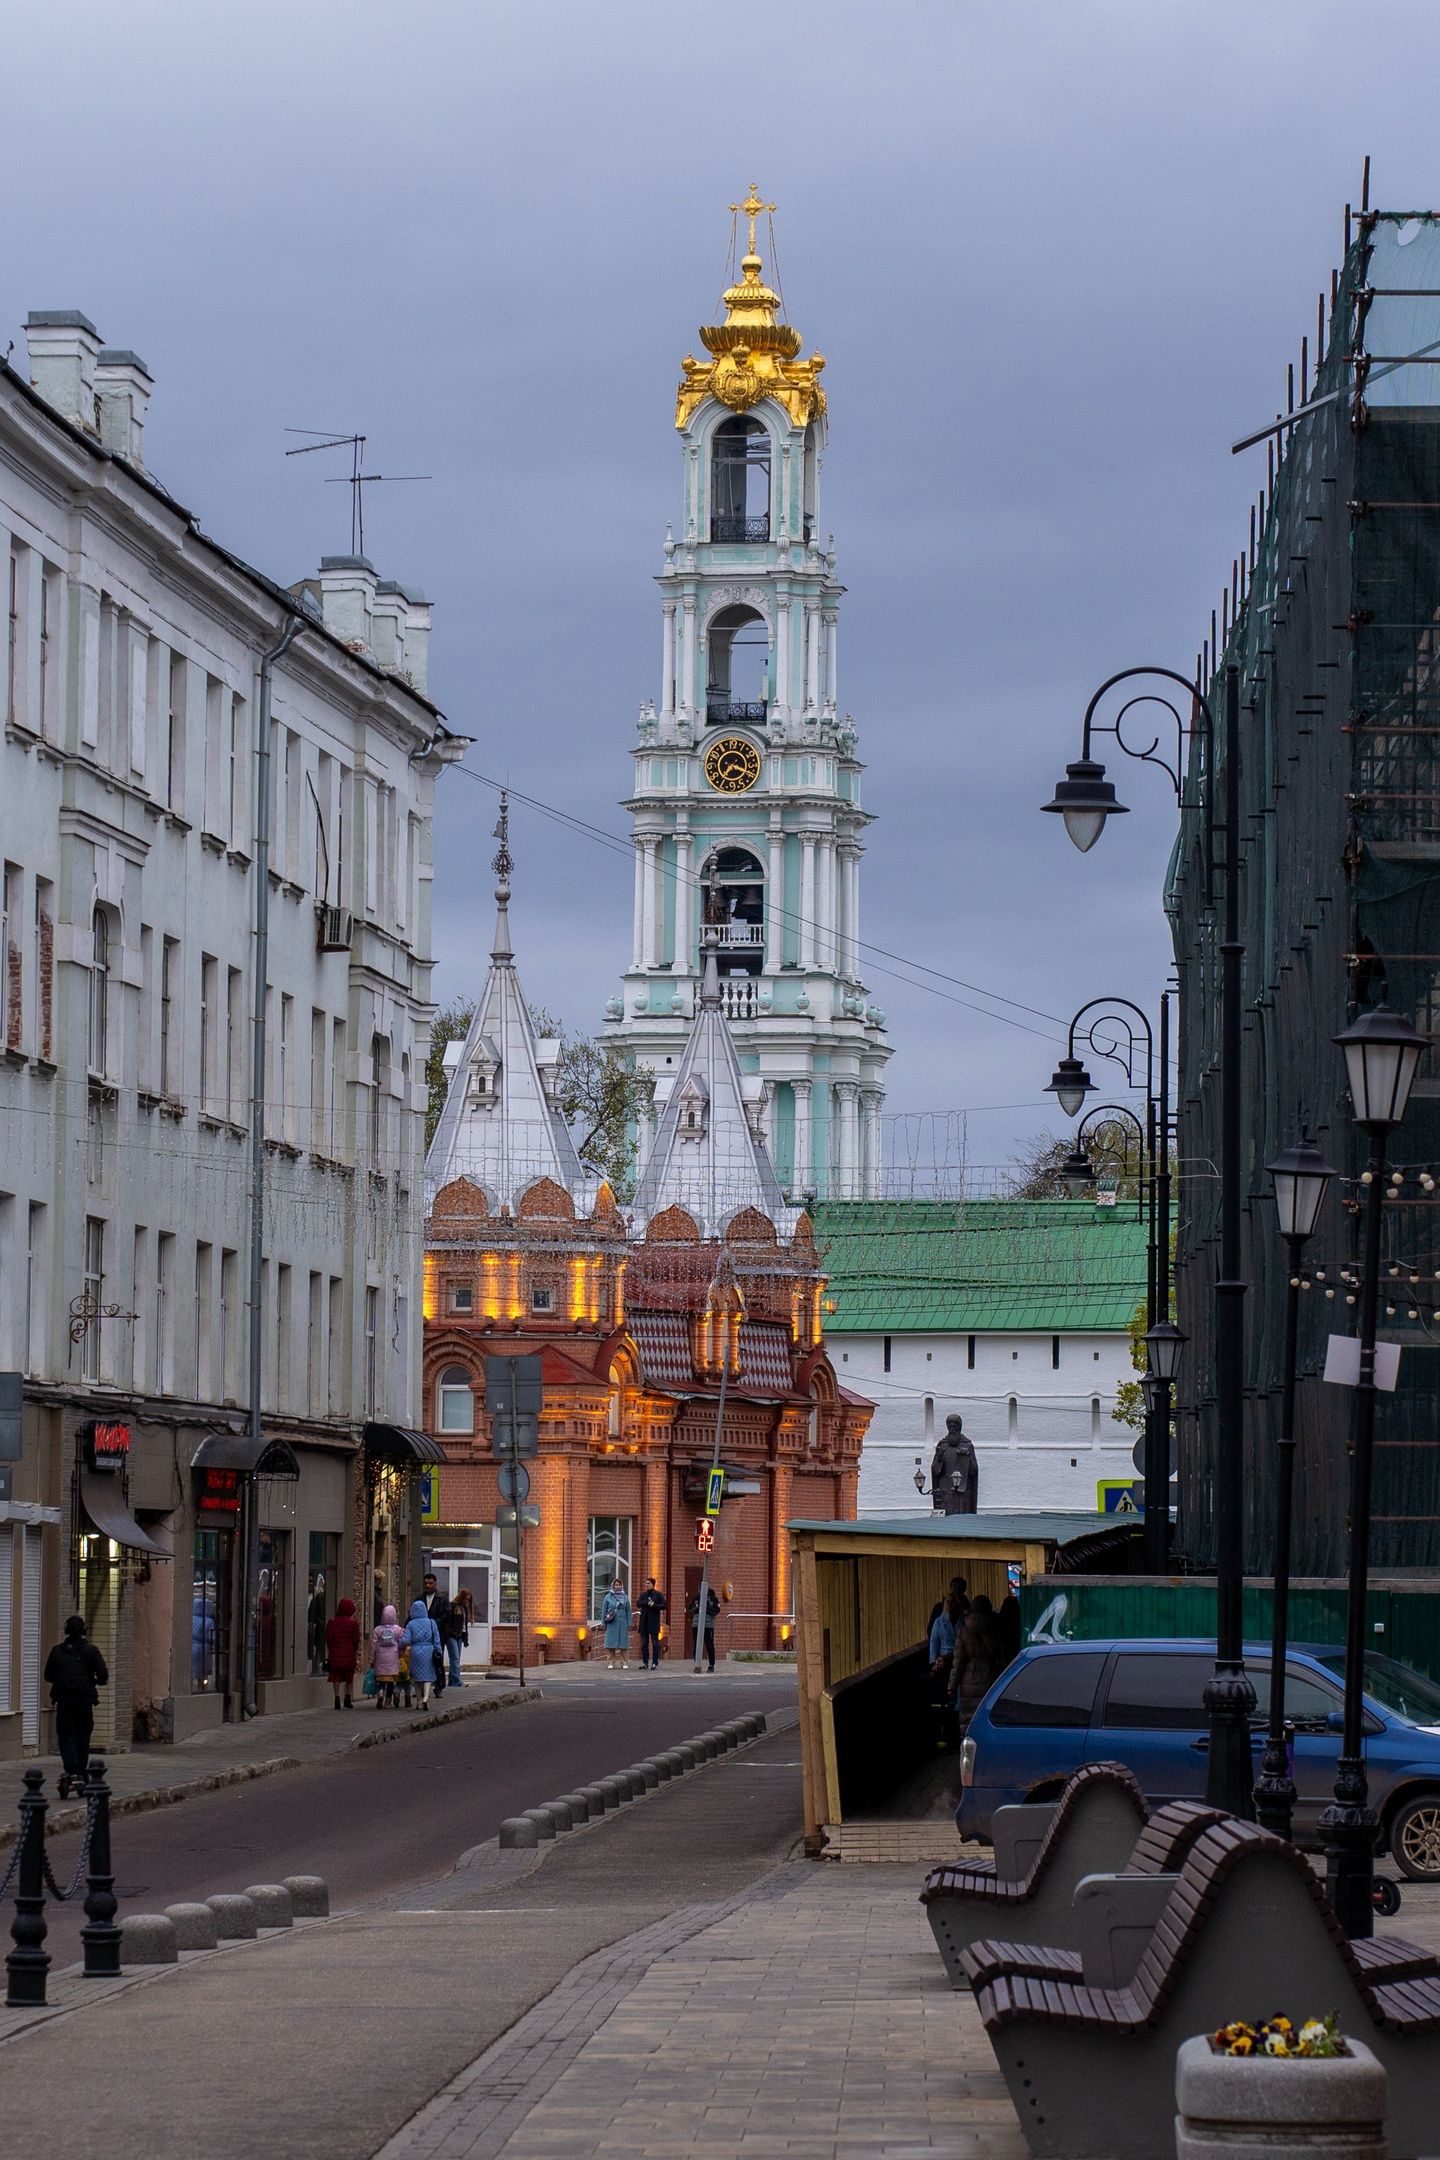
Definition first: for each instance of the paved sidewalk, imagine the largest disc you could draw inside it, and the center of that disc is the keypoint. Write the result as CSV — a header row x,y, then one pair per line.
x,y
810,2018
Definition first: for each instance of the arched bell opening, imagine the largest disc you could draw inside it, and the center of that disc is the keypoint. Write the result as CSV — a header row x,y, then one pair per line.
x,y
740,481
734,885
737,682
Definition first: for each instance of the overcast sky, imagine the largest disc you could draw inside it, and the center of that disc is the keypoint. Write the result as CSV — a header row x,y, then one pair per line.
x,y
1056,255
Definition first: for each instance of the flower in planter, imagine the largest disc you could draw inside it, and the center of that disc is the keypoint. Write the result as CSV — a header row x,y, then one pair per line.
x,y
1277,2037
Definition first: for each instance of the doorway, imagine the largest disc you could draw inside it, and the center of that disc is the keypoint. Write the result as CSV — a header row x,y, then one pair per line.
x,y
469,1568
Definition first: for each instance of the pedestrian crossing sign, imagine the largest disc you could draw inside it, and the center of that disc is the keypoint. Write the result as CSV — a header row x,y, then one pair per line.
x,y
1120,1496
714,1491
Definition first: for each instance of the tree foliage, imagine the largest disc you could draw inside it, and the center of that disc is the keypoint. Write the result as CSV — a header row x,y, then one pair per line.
x,y
451,1024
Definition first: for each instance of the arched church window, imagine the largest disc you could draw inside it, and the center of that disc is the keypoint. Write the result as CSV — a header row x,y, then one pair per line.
x,y
737,684
812,482
740,481
455,1400
735,904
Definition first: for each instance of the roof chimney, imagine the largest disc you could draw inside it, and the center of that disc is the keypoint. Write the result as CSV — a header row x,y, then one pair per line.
x,y
64,347
122,398
347,595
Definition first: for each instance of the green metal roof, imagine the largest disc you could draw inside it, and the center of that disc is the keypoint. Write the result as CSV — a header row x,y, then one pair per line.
x,y
980,1266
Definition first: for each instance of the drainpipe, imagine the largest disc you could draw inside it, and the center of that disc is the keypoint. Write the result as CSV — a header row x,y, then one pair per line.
x,y
250,1522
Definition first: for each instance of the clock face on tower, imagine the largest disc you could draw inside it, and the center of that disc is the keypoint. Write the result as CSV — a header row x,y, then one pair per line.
x,y
732,765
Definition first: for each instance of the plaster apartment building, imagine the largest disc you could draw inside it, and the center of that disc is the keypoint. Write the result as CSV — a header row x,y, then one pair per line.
x,y
203,1560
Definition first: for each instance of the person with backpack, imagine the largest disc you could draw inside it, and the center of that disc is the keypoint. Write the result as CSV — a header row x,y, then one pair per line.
x,y
387,1640
712,1613
76,1672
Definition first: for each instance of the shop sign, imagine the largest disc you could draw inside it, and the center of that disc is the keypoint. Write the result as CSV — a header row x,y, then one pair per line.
x,y
219,1492
430,1494
109,1445
714,1491
704,1534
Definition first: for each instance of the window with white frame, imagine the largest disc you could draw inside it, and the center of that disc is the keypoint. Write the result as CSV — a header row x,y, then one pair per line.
x,y
455,1400
609,1555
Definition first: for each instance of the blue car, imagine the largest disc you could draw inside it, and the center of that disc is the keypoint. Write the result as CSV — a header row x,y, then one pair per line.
x,y
1142,1703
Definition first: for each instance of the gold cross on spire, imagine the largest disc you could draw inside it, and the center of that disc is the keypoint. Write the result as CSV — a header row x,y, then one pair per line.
x,y
751,208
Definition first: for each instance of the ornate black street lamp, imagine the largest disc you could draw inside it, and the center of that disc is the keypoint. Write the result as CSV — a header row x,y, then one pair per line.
x,y
1110,1032
1382,1054
1301,1178
1085,800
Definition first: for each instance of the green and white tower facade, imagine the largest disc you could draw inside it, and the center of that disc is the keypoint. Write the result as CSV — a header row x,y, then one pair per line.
x,y
746,803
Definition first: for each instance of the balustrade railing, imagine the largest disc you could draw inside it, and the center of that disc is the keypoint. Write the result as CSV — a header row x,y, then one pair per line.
x,y
732,529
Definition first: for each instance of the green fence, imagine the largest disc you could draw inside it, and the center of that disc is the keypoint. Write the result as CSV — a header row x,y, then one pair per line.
x,y
1404,1624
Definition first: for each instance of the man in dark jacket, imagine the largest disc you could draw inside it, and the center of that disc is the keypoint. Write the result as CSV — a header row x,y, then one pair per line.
x,y
712,1608
441,1611
75,1670
650,1609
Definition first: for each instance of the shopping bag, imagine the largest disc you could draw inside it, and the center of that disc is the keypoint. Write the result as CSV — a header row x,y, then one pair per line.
x,y
367,1685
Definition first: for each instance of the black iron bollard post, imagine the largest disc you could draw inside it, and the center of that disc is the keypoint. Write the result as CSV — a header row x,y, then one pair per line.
x,y
100,1935
29,1962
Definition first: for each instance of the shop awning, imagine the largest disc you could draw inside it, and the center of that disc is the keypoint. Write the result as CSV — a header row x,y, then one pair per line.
x,y
243,1452
398,1444
104,1503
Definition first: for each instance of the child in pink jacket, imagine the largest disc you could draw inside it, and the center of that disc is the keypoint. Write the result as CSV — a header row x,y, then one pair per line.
x,y
386,1642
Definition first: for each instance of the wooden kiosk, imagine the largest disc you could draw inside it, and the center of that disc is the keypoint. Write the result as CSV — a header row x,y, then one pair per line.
x,y
863,1597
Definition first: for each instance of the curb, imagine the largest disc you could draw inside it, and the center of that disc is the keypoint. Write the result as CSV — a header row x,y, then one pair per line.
x,y
524,1834
61,1820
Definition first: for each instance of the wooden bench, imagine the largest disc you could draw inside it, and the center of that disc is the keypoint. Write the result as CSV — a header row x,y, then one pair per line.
x,y
1247,1930
1093,1827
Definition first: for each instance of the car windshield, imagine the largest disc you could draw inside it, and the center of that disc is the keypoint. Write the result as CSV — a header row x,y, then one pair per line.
x,y
1405,1694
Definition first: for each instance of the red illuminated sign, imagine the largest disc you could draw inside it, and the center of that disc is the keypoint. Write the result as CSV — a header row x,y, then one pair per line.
x,y
704,1534
219,1492
109,1445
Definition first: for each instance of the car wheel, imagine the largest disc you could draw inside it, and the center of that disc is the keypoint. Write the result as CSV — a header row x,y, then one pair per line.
x,y
1415,1838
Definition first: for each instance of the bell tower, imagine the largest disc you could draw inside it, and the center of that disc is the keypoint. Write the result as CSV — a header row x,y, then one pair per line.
x,y
746,805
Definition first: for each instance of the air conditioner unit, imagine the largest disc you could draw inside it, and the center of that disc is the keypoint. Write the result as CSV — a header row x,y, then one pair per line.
x,y
335,929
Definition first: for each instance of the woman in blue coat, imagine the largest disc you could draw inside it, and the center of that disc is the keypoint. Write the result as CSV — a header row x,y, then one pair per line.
x,y
422,1640
615,1612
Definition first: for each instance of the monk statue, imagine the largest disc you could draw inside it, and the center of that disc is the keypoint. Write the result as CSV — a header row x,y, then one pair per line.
x,y
954,1472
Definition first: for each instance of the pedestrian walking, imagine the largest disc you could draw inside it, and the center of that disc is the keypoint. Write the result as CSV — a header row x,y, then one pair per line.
x,y
462,1619
618,1619
387,1640
439,1608
943,1630
1007,1620
712,1610
957,1591
76,1672
452,1634
342,1652
650,1608
422,1641
975,1665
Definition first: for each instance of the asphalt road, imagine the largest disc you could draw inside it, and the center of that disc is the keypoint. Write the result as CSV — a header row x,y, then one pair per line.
x,y
381,1820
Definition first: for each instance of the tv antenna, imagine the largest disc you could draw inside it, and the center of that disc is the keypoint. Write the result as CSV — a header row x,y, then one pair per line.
x,y
357,480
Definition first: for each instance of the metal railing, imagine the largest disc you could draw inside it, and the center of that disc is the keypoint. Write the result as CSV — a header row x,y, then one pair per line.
x,y
759,1625
28,1964
742,933
731,529
721,709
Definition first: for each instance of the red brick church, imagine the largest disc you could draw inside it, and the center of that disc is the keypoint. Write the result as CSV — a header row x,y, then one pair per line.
x,y
635,1313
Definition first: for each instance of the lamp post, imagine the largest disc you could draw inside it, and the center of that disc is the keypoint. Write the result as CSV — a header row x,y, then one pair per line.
x,y
1301,1177
1084,799
1070,1083
1382,1053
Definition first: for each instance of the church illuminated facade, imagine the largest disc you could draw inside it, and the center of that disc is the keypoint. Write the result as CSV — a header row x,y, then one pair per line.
x,y
746,803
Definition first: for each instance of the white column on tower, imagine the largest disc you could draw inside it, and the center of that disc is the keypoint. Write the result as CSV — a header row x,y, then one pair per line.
x,y
812,659
801,1179
686,687
807,900
797,650
782,657
848,1092
667,677
651,845
831,632
775,896
638,942
825,902
870,1136
682,893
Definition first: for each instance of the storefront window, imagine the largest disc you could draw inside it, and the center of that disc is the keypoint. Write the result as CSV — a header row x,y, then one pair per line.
x,y
609,1556
272,1599
320,1590
210,1613
509,1585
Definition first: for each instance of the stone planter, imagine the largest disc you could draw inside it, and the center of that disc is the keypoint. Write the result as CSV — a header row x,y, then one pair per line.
x,y
1254,2107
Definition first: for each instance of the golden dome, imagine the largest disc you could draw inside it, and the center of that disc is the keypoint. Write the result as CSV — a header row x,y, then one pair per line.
x,y
756,356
